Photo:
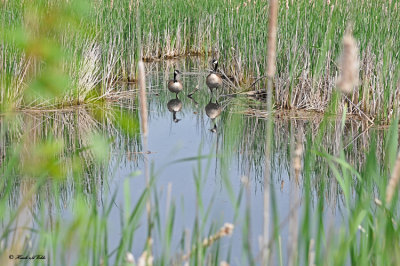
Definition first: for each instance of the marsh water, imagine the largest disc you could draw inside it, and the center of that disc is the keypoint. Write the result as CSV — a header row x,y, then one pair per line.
x,y
187,149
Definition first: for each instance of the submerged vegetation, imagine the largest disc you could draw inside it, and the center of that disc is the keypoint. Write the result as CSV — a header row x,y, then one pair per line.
x,y
80,185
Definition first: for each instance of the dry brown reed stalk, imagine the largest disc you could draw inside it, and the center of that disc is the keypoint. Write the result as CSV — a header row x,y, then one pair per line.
x,y
15,96
271,68
226,230
144,127
109,71
272,32
349,65
394,180
297,161
130,5
294,196
89,71
143,98
311,253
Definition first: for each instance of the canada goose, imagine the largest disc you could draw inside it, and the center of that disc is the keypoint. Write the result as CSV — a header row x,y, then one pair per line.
x,y
213,110
174,106
214,79
175,85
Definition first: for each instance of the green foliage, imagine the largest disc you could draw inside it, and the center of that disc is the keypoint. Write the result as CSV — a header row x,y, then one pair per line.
x,y
58,53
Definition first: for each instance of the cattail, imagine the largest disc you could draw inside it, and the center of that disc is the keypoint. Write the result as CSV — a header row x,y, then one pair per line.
x,y
145,259
349,64
394,180
272,30
225,230
143,97
129,258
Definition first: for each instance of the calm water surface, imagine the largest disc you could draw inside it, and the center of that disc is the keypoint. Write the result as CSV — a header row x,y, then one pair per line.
x,y
232,146
237,152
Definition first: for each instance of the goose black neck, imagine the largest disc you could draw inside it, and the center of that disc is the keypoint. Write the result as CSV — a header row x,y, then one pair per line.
x,y
174,116
175,80
215,67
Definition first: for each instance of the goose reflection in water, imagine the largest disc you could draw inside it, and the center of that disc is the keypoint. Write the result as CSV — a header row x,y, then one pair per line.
x,y
174,106
213,110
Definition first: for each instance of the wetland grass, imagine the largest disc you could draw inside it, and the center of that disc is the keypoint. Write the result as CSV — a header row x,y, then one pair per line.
x,y
55,162
110,38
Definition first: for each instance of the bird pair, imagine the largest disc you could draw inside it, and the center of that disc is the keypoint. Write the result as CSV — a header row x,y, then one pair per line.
x,y
213,80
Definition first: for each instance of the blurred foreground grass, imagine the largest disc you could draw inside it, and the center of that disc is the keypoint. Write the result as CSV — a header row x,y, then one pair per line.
x,y
62,53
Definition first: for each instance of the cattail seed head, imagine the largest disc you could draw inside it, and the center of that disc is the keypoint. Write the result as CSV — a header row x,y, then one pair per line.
x,y
129,258
349,65
145,259
226,230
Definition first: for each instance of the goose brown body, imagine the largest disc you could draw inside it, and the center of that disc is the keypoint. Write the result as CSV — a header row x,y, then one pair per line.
x,y
214,79
175,85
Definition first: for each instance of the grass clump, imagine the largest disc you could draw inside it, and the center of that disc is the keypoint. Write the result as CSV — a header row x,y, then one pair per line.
x,y
112,37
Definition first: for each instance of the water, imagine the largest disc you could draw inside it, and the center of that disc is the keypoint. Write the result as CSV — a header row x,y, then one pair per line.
x,y
230,148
